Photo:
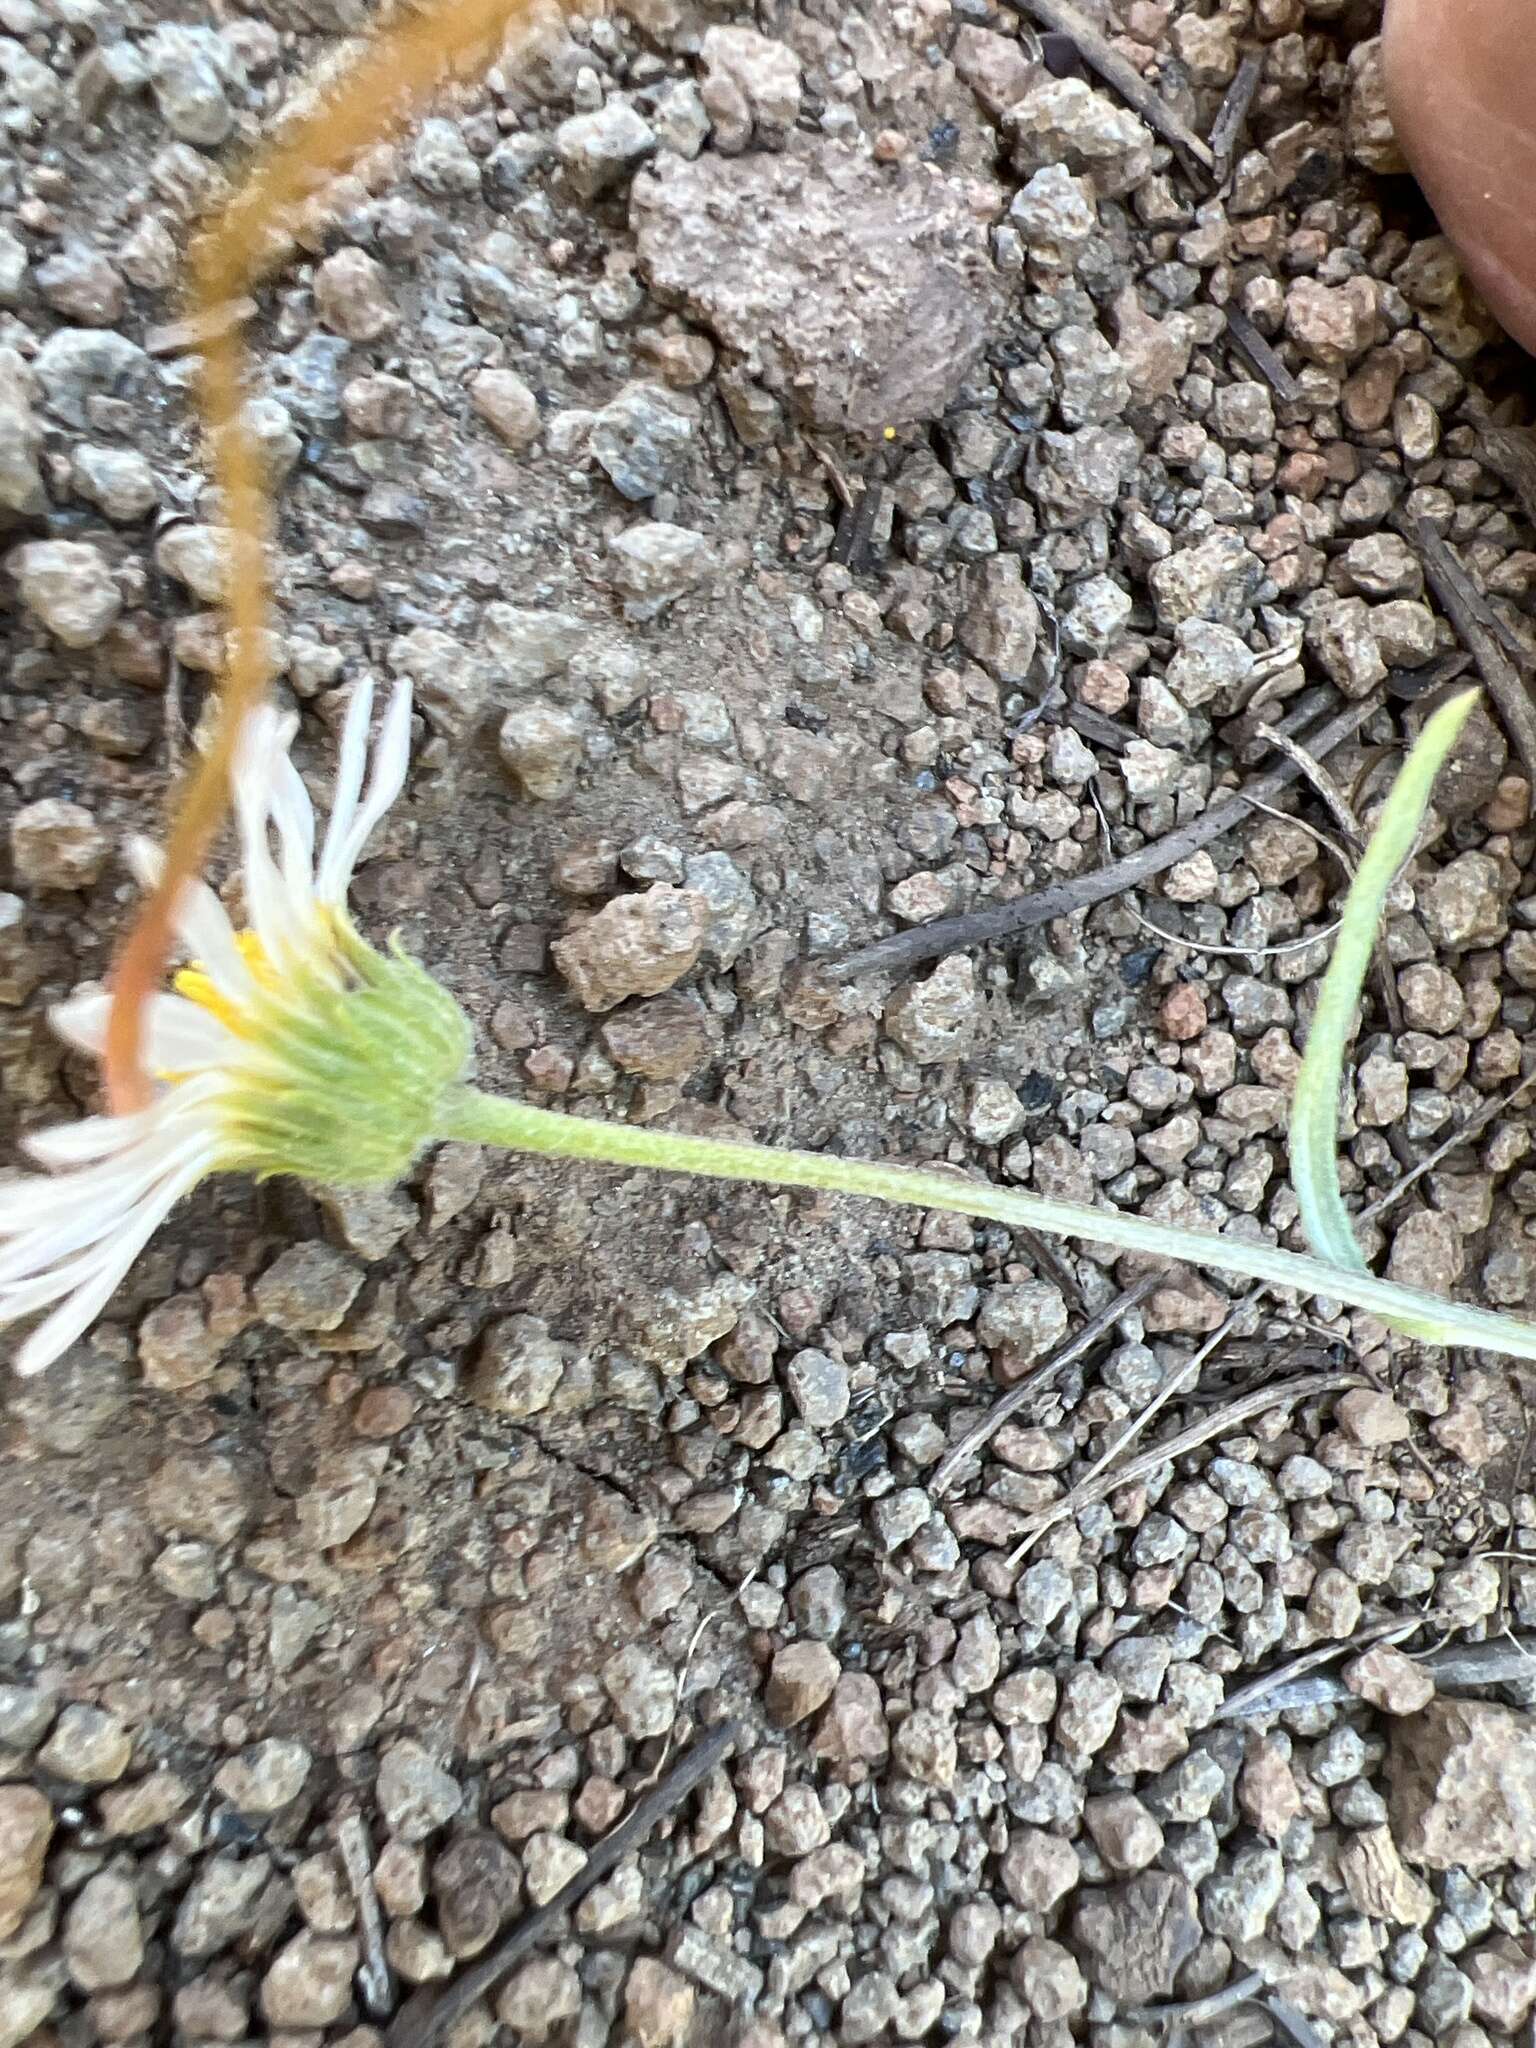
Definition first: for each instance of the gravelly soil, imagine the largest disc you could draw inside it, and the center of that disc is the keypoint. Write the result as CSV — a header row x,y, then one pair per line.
x,y
802,463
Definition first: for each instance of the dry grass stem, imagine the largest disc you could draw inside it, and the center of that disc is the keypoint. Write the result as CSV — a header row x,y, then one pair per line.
x,y
1104,1476
381,89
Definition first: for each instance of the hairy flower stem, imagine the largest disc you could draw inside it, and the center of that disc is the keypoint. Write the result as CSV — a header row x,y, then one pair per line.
x,y
492,1120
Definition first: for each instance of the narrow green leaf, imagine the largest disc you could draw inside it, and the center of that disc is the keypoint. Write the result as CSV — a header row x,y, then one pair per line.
x,y
1314,1127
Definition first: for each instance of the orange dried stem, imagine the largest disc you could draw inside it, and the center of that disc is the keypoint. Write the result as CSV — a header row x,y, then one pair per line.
x,y
378,94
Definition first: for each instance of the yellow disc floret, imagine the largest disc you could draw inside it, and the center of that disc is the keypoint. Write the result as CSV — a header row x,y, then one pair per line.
x,y
200,988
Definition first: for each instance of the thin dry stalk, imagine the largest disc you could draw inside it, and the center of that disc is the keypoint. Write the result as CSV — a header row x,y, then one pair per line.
x,y
1195,2011
382,89
1456,1669
983,1432
905,950
1463,606
1247,1697
1462,1135
1333,797
429,2014
1101,56
1168,938
1325,840
375,1978
1104,1476
1157,931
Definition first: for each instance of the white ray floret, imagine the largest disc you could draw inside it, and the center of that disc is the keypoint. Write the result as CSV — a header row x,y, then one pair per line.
x,y
237,1049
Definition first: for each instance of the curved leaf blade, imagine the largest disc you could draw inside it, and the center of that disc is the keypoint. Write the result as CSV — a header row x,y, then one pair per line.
x,y
1313,1135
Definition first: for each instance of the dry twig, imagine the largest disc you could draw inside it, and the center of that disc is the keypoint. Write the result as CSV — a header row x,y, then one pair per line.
x,y
1157,931
982,1433
1047,1258
1333,797
1510,453
908,949
1232,116
1461,1667
1325,840
1463,606
1261,356
1242,1702
1478,1121
1105,1475
1194,2012
374,1976
1093,725
1100,55
1293,2025
428,2014
1298,945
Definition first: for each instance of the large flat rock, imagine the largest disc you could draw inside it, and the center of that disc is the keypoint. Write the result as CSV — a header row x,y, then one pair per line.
x,y
1463,1786
863,295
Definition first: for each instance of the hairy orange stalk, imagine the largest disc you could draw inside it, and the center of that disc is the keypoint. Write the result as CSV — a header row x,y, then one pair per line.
x,y
377,94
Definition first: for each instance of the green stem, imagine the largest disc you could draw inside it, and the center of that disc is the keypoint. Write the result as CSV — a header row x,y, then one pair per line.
x,y
494,1120
1312,1139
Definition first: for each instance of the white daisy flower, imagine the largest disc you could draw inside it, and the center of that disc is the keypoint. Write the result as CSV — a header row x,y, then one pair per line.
x,y
290,1047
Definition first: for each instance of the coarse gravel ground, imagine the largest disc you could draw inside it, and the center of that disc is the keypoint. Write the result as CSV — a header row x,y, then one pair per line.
x,y
418,1534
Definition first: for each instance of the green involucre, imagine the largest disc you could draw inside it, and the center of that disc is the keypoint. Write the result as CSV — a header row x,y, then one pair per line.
x,y
352,1081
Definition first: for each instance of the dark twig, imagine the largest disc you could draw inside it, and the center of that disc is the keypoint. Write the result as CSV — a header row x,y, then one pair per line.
x,y
1261,356
1101,56
1471,1667
1461,1667
1095,1328
1463,606
1293,2025
1247,1697
1415,685
861,498
904,950
1194,2012
374,1976
1093,725
427,2014
1232,118
856,526
1472,599
1510,453
1048,1260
